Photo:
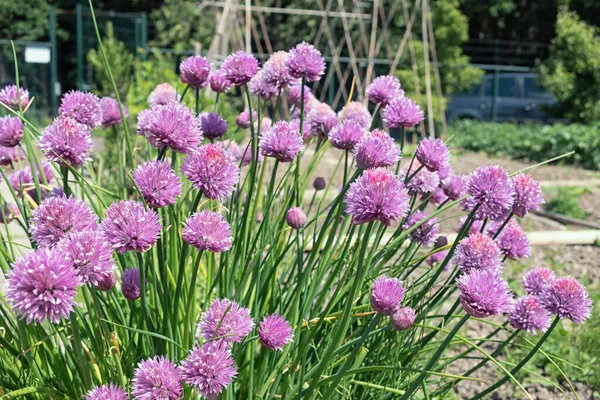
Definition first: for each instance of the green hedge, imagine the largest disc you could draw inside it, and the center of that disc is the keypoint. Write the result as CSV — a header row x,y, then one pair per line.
x,y
531,142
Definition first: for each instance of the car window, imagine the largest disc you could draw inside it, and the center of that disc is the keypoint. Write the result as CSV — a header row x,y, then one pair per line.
x,y
507,87
532,89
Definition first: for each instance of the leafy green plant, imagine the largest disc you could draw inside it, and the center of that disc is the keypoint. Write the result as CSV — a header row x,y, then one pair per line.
x,y
564,201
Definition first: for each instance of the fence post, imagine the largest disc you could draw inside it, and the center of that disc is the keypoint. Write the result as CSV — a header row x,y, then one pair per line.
x,y
79,33
53,64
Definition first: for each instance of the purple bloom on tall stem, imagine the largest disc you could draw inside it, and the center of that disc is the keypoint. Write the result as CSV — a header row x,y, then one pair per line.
x,y
111,115
403,319
213,170
218,82
66,142
376,149
491,189
357,112
383,89
42,286
9,155
529,315
156,378
11,131
9,96
158,183
106,392
433,154
455,186
209,369
426,233
275,71
274,332
377,195
233,148
567,298
304,61
213,125
484,293
82,107
477,252
60,217
194,71
208,230
321,119
90,254
513,242
162,94
536,279
346,135
281,141
295,217
528,195
386,295
294,95
130,285
107,282
240,67
402,112
22,181
259,87
225,322
422,181
319,183
129,226
243,120
437,196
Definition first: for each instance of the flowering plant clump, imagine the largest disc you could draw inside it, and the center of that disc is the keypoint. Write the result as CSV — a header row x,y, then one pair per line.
x,y
224,265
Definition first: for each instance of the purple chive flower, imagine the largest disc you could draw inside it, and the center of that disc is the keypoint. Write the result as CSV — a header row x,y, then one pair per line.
x,y
528,195
295,125
9,96
66,142
213,126
455,186
22,180
304,61
274,332
209,369
386,295
357,112
90,254
383,89
321,119
265,123
319,183
281,142
445,172
9,155
427,232
60,217
376,149
208,230
259,87
535,280
107,282
225,322
172,125
240,67
433,154
111,115
106,392
276,73
247,155
437,196
295,217
158,183
477,252
11,131
129,226
213,170
438,257
377,195
295,95
234,148
243,120
402,112
42,286
491,189
529,315
130,284
156,378
422,181
346,135
162,94
513,242
403,319
218,82
484,293
9,212
194,71
567,298
82,107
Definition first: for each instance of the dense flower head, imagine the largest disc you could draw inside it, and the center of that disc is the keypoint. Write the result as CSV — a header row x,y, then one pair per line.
x,y
567,298
274,332
536,279
60,217
276,73
106,392
208,230
11,131
9,155
218,82
8,212
111,115
321,119
376,149
194,71
295,217
513,242
445,172
346,135
427,232
130,284
22,181
240,67
129,226
213,125
455,186
295,125
319,183
173,125
528,194
158,183
90,254
66,142
403,318
304,61
422,181
484,293
156,378
357,112
529,315
259,87
491,189
162,94
213,170
386,295
402,112
383,89
437,196
433,154
377,195
42,286
107,282
83,107
243,120
477,252
209,369
9,96
295,95
226,322
281,141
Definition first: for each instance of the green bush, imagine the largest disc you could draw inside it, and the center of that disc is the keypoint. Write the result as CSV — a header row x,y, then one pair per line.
x,y
564,201
531,142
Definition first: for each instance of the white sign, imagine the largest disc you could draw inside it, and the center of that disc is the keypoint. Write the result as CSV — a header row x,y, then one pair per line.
x,y
37,55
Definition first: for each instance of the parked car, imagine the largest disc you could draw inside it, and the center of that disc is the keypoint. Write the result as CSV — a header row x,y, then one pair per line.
x,y
519,99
